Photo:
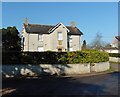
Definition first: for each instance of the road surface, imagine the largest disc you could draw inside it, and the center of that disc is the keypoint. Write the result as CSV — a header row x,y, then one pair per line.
x,y
102,84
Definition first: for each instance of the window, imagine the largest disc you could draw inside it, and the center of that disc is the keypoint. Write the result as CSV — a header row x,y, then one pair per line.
x,y
71,49
60,50
40,37
40,49
70,38
60,36
70,44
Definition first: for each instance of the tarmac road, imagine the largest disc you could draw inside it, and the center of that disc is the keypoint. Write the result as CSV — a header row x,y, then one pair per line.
x,y
102,84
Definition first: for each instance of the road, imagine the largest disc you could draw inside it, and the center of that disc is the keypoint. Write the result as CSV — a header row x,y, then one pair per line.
x,y
102,84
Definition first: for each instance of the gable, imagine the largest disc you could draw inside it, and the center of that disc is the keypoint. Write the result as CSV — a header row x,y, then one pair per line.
x,y
57,26
117,37
60,28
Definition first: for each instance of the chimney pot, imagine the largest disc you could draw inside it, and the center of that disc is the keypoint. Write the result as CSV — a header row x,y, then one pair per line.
x,y
72,24
26,21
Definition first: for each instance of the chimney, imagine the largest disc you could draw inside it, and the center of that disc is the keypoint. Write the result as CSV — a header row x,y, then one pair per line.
x,y
26,21
72,24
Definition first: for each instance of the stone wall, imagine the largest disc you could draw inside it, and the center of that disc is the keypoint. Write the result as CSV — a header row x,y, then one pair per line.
x,y
51,69
98,67
114,59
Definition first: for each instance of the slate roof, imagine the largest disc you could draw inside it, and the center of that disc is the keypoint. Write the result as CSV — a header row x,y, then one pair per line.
x,y
117,37
110,48
44,29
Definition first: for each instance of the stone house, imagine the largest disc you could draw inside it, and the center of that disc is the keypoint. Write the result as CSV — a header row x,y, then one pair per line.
x,y
37,37
115,46
116,42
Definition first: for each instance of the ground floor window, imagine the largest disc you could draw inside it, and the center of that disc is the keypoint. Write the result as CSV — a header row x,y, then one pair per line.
x,y
70,49
60,50
40,49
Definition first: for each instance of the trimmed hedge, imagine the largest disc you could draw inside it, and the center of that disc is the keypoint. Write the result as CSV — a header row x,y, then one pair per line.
x,y
114,55
87,56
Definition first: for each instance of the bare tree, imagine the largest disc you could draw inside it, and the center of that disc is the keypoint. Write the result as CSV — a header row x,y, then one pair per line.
x,y
97,43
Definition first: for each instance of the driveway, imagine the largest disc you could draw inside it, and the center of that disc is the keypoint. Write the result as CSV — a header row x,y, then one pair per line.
x,y
102,84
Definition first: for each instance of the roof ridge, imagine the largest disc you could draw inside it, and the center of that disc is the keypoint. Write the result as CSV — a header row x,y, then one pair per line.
x,y
40,25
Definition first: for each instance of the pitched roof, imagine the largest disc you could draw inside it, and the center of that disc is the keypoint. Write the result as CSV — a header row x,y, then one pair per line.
x,y
110,48
44,29
117,37
74,31
34,28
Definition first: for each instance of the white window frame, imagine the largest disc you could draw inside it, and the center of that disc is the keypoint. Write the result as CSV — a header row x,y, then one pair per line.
x,y
70,44
41,49
70,49
70,38
60,36
40,37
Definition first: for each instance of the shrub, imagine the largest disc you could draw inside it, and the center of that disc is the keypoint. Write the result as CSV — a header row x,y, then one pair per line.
x,y
86,56
114,55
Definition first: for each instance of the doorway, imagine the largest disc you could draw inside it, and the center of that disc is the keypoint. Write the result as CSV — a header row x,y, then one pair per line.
x,y
59,50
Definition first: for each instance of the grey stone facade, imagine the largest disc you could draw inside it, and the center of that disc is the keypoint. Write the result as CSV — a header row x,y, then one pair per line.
x,y
45,38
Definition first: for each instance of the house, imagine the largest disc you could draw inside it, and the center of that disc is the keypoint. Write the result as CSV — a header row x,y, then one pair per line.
x,y
36,37
111,49
115,46
116,42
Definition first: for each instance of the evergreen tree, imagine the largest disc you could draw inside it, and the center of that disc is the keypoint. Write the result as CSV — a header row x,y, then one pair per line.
x,y
11,40
84,45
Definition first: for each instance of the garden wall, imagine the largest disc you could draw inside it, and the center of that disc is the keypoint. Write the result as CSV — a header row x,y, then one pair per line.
x,y
99,67
114,59
51,69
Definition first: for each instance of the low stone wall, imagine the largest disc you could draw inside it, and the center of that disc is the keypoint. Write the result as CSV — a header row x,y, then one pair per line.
x,y
51,69
98,67
114,59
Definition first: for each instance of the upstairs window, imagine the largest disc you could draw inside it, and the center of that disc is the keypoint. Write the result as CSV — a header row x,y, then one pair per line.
x,y
70,38
60,36
40,37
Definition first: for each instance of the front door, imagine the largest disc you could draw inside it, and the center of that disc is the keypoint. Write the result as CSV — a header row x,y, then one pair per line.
x,y
59,50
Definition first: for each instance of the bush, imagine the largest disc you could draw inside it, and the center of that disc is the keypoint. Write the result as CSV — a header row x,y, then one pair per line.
x,y
114,55
87,56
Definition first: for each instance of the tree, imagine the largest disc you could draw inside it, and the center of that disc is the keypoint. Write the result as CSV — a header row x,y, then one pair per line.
x,y
10,39
97,43
84,45
108,45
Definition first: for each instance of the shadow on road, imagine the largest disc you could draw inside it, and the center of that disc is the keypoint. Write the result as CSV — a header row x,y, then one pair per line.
x,y
54,86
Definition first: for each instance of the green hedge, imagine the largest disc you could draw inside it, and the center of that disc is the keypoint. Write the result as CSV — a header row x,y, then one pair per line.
x,y
87,56
114,55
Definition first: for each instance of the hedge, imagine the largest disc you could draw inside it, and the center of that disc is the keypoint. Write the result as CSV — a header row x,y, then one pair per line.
x,y
87,56
114,55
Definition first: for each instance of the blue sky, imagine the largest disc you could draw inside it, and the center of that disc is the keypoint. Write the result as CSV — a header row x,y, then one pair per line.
x,y
90,17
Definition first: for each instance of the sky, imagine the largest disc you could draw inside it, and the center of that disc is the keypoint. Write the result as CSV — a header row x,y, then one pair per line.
x,y
89,17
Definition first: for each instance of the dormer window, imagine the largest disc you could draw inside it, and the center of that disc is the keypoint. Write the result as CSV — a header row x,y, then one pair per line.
x,y
40,37
60,36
